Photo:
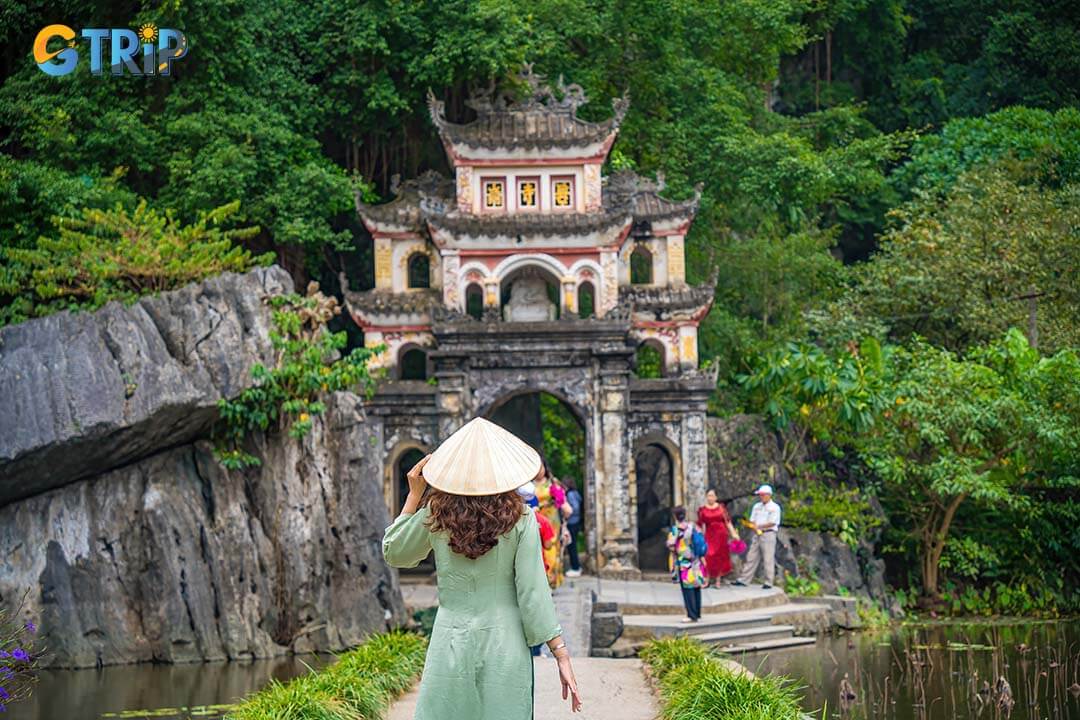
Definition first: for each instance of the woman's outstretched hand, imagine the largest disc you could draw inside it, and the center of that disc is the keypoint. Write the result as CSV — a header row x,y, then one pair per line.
x,y
569,683
417,486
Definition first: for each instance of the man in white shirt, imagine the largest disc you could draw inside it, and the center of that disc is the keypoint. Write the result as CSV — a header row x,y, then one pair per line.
x,y
764,521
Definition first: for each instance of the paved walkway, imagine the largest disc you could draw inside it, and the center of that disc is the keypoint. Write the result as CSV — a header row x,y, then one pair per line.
x,y
610,690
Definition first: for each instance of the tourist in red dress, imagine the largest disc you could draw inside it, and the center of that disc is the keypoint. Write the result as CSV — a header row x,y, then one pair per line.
x,y
713,518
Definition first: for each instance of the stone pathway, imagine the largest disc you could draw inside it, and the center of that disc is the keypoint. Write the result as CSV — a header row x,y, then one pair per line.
x,y
610,690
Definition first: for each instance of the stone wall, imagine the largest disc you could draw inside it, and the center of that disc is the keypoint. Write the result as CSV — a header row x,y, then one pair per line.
x,y
135,544
743,453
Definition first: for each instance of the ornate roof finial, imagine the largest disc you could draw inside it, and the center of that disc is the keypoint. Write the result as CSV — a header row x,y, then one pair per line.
x,y
436,109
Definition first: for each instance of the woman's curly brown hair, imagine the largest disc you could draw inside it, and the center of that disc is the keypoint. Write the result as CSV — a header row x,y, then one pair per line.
x,y
474,523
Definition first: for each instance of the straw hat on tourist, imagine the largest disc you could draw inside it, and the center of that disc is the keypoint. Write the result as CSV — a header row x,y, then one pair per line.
x,y
481,458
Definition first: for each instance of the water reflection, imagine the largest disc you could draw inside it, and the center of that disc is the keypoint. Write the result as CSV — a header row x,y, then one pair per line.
x,y
202,690
1014,670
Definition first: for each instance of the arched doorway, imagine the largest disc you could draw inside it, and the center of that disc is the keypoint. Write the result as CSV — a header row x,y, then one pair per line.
x,y
413,363
404,463
649,360
419,270
555,428
530,294
655,471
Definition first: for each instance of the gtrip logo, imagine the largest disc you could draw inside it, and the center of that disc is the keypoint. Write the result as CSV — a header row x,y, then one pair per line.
x,y
149,51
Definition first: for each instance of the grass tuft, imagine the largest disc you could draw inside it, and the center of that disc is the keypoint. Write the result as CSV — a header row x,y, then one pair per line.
x,y
695,685
359,686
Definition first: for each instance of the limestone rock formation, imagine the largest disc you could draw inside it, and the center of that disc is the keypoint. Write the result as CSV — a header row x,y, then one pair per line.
x,y
135,544
86,392
175,559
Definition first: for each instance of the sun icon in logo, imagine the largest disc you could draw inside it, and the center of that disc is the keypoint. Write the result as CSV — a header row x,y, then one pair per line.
x,y
148,33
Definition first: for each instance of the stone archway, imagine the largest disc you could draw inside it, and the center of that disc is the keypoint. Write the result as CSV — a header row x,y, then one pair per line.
x,y
552,424
396,488
654,471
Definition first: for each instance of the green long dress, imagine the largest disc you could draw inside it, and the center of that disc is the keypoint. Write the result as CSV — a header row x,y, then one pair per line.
x,y
491,610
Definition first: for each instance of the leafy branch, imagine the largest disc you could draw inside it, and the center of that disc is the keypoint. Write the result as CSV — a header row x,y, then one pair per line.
x,y
308,365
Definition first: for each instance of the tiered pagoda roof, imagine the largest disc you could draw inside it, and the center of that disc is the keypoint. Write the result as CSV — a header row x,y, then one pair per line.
x,y
544,119
429,200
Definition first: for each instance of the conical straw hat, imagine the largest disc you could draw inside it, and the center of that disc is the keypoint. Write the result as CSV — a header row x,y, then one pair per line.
x,y
481,458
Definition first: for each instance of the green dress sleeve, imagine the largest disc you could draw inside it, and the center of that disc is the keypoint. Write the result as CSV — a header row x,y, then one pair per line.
x,y
407,541
534,596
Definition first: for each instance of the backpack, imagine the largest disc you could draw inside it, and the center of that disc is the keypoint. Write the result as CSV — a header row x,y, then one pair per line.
x,y
698,544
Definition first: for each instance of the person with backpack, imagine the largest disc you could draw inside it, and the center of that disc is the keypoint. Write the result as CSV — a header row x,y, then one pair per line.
x,y
686,545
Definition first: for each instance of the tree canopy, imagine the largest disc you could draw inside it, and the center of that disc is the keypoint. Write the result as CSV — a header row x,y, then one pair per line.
x,y
889,196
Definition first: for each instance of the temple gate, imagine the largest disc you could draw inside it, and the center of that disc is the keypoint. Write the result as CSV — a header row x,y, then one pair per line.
x,y
530,272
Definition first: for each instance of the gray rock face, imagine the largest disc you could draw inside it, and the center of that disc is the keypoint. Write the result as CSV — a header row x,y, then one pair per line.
x,y
87,392
173,558
743,453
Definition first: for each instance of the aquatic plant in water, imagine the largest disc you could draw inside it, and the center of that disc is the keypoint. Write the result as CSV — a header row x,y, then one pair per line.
x,y
19,654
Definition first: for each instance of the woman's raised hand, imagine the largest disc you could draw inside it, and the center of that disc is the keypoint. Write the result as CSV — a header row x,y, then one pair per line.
x,y
417,486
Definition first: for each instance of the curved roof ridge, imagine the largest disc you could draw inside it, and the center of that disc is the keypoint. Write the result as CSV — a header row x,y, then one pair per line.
x,y
545,117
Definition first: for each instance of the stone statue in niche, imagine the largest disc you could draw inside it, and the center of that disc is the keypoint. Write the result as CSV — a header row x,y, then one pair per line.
x,y
529,300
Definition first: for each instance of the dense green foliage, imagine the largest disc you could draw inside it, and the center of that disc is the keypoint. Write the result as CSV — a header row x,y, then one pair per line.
x,y
843,512
361,684
287,395
104,255
697,685
889,189
564,439
970,455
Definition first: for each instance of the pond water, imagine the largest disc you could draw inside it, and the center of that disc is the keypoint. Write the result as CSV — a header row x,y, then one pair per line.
x,y
940,672
162,692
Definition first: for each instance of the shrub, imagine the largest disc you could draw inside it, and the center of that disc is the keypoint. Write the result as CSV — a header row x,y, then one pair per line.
x,y
842,512
307,368
360,685
805,585
106,255
696,685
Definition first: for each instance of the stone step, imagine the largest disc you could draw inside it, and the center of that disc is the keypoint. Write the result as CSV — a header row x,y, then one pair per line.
x,y
713,601
804,616
746,636
657,626
765,645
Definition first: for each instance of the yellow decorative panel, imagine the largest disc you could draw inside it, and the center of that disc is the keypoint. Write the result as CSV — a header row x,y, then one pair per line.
x,y
689,350
494,197
527,195
384,258
562,193
676,260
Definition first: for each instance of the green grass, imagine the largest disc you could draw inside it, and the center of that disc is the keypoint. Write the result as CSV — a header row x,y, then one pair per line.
x,y
359,686
694,685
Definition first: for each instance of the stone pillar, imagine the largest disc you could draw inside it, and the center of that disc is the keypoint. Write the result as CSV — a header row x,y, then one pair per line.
x,y
454,399
608,293
695,460
464,188
593,187
616,518
451,264
569,288
491,292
